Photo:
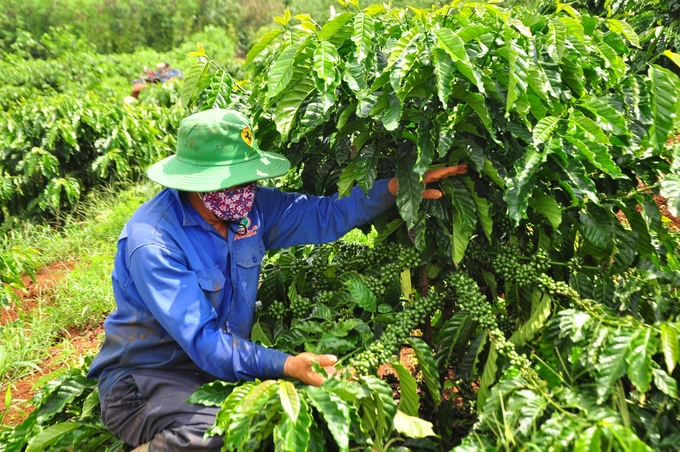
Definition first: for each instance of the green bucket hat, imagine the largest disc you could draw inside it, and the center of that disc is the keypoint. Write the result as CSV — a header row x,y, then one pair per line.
x,y
216,150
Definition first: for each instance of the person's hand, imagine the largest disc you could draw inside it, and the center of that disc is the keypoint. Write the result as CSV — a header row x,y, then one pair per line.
x,y
300,367
432,176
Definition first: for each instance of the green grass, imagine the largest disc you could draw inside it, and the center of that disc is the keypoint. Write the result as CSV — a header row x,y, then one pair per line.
x,y
82,297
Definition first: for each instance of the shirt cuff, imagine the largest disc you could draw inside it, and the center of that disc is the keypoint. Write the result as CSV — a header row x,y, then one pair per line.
x,y
273,361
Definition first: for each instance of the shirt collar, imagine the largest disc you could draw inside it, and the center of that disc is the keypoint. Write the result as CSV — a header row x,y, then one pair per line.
x,y
189,215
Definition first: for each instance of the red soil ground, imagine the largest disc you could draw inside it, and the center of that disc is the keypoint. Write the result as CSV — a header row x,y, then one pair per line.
x,y
85,342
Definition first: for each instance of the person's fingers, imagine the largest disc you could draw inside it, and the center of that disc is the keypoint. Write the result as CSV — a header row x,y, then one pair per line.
x,y
441,173
431,193
325,360
330,370
312,378
437,174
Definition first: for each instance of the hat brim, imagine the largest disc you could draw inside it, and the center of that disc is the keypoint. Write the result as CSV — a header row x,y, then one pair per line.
x,y
174,173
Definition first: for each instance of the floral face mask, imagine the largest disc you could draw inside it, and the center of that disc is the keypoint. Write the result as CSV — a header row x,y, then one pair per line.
x,y
230,204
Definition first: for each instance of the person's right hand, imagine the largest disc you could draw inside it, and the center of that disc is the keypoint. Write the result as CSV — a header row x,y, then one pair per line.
x,y
429,177
300,367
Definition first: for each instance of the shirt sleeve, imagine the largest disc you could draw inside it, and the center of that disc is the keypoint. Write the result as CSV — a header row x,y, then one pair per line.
x,y
172,293
293,219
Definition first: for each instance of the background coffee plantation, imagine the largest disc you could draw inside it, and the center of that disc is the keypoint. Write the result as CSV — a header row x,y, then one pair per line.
x,y
537,298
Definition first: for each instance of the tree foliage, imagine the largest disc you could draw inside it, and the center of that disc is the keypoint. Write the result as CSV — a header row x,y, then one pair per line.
x,y
553,266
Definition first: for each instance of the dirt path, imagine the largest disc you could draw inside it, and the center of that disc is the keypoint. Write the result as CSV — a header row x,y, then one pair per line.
x,y
80,342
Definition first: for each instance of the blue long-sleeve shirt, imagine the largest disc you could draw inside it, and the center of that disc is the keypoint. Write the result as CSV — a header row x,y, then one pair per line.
x,y
185,295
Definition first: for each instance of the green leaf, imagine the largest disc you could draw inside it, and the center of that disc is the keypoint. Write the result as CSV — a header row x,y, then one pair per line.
x,y
670,189
66,392
482,205
193,81
329,343
613,118
375,10
378,406
464,204
664,87
626,438
669,345
428,366
443,69
425,145
626,249
298,436
412,427
612,362
346,180
362,295
575,178
334,25
392,114
492,172
574,27
674,57
409,402
366,169
539,83
475,101
547,205
325,62
334,411
473,31
597,226
521,184
591,128
555,41
488,377
535,323
212,394
621,27
290,400
289,104
455,47
642,348
262,44
453,335
404,46
460,238
544,129
588,440
665,383
389,229
364,32
50,435
257,334
518,68
260,394
282,71
229,407
410,192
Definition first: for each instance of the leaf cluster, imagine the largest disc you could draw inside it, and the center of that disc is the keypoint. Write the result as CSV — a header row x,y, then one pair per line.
x,y
66,417
341,413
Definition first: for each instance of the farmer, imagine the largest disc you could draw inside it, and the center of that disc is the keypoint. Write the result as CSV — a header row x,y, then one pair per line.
x,y
186,274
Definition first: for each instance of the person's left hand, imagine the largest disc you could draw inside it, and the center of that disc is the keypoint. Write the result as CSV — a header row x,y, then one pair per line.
x,y
432,176
300,367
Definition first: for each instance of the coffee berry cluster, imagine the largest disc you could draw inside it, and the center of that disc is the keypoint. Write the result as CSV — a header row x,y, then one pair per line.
x,y
277,310
300,305
414,314
469,298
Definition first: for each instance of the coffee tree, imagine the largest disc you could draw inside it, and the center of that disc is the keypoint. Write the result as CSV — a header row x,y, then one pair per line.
x,y
546,274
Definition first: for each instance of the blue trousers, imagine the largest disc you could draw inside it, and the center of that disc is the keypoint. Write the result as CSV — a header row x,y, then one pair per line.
x,y
151,405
